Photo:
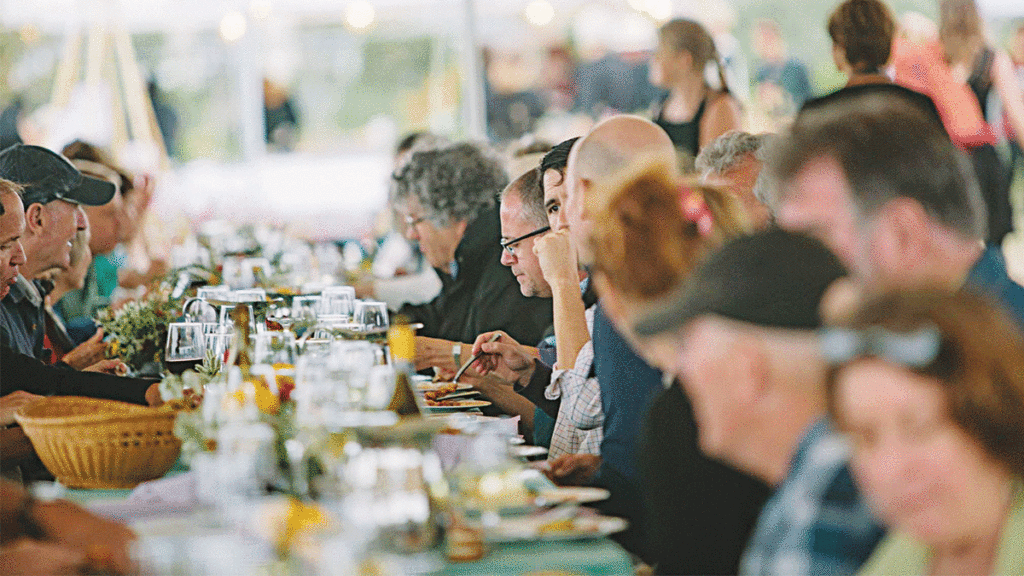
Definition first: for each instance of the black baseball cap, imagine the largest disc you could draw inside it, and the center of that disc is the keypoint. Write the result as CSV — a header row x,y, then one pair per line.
x,y
773,278
48,176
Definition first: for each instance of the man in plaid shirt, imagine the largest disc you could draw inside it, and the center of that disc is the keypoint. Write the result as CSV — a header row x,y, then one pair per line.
x,y
751,364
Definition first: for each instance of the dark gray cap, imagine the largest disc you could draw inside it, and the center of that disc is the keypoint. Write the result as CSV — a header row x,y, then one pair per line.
x,y
48,176
773,278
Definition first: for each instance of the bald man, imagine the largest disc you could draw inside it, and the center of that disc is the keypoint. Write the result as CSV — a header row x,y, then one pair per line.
x,y
671,527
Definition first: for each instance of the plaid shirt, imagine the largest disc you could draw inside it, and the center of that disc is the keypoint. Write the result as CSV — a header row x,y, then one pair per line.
x,y
579,425
816,522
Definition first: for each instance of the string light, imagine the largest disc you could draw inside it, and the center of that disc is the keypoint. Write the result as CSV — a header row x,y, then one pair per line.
x,y
360,14
232,27
539,13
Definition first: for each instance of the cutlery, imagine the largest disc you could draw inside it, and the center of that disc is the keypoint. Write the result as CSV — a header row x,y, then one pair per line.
x,y
475,357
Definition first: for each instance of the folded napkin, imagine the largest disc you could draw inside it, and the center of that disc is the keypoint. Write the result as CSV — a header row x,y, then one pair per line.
x,y
170,495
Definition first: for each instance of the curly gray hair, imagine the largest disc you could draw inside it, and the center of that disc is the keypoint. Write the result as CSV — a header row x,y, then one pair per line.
x,y
729,150
452,184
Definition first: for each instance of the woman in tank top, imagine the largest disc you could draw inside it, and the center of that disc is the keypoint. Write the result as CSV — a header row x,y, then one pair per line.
x,y
973,61
694,113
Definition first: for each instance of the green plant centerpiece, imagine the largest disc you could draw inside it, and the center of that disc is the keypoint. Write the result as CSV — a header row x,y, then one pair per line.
x,y
138,329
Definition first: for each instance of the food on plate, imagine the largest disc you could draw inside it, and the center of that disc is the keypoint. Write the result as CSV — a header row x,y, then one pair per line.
x,y
443,390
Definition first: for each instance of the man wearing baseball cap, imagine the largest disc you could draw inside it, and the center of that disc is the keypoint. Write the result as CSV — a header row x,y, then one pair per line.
x,y
53,193
748,357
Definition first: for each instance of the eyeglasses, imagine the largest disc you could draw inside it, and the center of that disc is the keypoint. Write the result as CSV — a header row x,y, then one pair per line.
x,y
411,222
510,245
915,349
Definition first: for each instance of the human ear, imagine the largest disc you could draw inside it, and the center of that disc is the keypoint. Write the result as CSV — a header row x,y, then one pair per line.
x,y
35,218
908,228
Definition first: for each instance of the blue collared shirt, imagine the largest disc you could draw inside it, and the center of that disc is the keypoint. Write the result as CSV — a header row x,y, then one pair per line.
x,y
22,324
988,276
816,522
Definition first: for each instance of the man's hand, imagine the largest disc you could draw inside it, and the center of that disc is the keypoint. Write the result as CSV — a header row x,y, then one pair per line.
x,y
87,353
111,366
557,257
103,541
437,353
153,397
505,358
490,385
573,469
31,557
12,402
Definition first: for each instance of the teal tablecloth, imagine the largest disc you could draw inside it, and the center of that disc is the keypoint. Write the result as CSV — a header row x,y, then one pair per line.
x,y
599,557
593,557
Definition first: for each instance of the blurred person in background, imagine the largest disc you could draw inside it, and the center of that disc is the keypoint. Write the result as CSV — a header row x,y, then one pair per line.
x,y
930,391
10,117
654,229
862,34
883,187
448,200
1016,54
984,68
989,73
121,254
734,160
777,74
693,113
57,340
399,274
742,336
280,119
921,61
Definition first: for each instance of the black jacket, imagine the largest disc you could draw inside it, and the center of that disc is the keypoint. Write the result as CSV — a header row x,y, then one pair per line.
x,y
700,512
20,372
484,295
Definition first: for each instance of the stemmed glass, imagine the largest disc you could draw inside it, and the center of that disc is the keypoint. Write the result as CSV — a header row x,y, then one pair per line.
x,y
185,346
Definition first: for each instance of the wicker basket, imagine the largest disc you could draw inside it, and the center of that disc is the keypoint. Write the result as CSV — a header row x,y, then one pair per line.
x,y
89,443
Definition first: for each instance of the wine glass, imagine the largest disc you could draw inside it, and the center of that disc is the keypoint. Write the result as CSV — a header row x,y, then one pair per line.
x,y
185,346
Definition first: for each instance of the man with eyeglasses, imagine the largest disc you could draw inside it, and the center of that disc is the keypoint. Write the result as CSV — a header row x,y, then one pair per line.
x,y
447,197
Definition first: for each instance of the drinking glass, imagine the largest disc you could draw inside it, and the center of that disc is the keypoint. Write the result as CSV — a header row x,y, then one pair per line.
x,y
371,316
304,313
338,301
249,295
185,346
275,348
355,359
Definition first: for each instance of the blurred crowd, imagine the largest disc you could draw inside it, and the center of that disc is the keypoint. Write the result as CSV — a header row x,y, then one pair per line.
x,y
797,352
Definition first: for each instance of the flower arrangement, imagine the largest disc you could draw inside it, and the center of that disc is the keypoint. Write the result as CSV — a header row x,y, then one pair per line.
x,y
138,330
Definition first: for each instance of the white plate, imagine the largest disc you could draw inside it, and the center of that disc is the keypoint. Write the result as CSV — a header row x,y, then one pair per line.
x,y
428,385
572,495
529,528
461,405
527,451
